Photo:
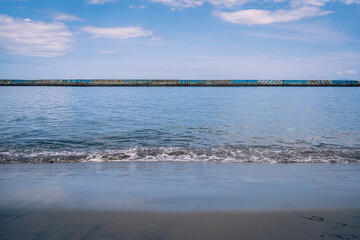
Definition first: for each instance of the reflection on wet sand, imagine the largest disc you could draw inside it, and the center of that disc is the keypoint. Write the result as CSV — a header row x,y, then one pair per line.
x,y
100,224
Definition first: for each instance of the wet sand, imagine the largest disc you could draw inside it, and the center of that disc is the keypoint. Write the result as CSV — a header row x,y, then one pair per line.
x,y
110,224
162,200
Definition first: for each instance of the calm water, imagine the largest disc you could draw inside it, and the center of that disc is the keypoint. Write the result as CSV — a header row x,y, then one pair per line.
x,y
245,124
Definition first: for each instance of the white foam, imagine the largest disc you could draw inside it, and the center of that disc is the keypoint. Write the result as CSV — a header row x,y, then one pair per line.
x,y
175,154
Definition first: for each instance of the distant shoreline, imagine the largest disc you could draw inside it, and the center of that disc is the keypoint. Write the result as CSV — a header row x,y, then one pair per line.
x,y
175,83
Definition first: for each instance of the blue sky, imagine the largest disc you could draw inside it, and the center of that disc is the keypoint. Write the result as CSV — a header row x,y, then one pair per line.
x,y
180,39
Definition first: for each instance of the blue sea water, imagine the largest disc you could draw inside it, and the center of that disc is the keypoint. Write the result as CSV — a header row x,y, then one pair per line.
x,y
218,124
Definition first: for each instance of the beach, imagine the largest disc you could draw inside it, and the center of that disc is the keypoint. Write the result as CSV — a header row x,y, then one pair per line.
x,y
172,200
85,224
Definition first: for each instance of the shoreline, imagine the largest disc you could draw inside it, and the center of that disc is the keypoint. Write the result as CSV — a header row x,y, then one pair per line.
x,y
56,223
190,186
179,83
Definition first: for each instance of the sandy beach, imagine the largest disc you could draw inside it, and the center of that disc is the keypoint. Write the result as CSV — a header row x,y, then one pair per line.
x,y
99,224
162,200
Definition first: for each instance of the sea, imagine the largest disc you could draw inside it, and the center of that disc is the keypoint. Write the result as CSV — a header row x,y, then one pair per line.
x,y
180,148
206,124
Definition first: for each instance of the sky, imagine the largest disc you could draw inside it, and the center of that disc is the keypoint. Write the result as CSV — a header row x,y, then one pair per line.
x,y
180,39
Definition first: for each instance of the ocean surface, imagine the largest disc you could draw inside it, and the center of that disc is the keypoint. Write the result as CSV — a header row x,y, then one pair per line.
x,y
205,124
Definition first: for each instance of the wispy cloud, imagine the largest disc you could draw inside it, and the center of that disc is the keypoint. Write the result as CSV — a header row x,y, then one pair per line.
x,y
320,2
116,53
119,32
64,17
317,3
137,7
351,1
311,33
227,3
236,3
347,72
99,2
196,3
155,38
180,3
110,52
262,17
107,52
34,38
292,10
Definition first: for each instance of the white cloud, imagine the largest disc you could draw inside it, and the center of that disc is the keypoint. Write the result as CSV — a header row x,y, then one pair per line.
x,y
155,38
319,2
33,38
120,32
137,7
350,1
227,3
255,16
294,10
347,72
64,17
312,33
109,52
99,2
197,3
179,4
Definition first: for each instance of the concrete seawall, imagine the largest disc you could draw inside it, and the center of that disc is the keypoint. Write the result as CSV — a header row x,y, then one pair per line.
x,y
147,82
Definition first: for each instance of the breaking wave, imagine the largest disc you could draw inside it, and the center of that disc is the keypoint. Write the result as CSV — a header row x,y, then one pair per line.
x,y
173,154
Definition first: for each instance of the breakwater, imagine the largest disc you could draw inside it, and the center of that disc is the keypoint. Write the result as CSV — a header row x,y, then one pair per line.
x,y
162,82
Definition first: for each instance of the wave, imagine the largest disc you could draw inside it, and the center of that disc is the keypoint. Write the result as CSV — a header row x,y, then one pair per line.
x,y
173,154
